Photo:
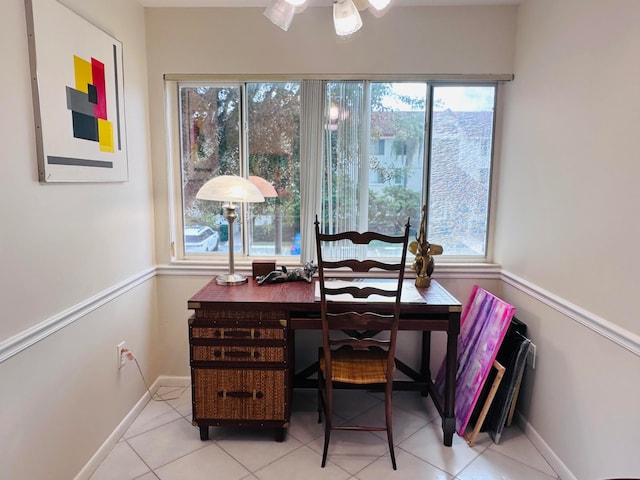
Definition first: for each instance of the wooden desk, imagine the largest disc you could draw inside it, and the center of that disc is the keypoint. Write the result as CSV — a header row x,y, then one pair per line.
x,y
256,324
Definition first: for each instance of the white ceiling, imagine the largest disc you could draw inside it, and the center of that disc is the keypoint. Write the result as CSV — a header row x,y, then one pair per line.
x,y
264,3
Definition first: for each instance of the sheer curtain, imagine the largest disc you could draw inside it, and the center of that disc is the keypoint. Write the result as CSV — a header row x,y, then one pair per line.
x,y
334,167
312,93
344,178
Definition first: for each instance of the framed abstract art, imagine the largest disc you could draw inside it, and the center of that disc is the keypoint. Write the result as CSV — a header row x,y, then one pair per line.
x,y
483,325
78,97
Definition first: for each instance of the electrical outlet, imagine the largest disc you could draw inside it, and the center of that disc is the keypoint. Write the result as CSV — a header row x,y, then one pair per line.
x,y
121,355
531,356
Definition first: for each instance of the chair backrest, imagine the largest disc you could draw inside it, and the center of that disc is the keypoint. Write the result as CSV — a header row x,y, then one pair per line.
x,y
353,313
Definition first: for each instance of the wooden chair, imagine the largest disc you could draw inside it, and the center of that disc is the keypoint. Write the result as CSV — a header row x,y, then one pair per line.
x,y
358,359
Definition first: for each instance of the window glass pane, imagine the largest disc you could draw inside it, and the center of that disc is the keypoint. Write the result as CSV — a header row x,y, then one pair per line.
x,y
397,167
374,153
210,143
460,168
273,136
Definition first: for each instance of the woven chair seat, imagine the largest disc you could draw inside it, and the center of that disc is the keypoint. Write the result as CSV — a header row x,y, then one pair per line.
x,y
361,367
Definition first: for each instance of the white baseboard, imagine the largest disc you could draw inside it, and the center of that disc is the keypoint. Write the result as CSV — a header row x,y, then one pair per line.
x,y
123,426
549,455
170,381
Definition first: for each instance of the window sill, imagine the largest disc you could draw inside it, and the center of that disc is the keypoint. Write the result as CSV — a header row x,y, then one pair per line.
x,y
443,269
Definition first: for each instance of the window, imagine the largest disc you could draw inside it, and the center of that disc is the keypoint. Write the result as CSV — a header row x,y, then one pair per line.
x,y
242,129
377,147
364,190
360,154
462,130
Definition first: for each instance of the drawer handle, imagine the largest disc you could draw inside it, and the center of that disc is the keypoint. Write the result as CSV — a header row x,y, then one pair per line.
x,y
236,354
236,333
255,395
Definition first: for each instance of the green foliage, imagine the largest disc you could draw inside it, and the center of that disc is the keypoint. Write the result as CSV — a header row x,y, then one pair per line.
x,y
204,213
389,210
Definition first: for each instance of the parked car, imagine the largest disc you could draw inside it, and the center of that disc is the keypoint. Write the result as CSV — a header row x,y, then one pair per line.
x,y
200,239
295,245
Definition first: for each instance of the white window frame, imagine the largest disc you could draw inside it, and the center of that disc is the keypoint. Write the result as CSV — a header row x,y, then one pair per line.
x,y
174,160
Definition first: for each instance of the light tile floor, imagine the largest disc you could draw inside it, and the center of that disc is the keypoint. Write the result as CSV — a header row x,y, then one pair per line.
x,y
162,444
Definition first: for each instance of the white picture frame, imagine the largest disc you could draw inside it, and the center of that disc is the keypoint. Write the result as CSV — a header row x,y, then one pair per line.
x,y
78,96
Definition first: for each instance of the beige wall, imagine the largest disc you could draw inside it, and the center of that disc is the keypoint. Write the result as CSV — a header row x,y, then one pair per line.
x,y
241,40
570,161
568,227
74,255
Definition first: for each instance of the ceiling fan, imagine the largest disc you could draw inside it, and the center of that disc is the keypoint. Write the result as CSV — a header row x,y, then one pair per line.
x,y
346,17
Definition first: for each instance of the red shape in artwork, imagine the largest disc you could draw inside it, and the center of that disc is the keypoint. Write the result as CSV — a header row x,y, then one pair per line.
x,y
97,70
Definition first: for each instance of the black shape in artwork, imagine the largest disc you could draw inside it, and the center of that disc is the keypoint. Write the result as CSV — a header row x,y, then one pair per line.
x,y
85,126
92,91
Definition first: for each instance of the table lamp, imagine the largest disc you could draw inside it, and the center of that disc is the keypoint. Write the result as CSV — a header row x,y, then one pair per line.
x,y
265,187
230,188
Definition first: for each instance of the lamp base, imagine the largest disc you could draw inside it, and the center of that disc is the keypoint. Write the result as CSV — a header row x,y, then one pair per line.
x,y
231,279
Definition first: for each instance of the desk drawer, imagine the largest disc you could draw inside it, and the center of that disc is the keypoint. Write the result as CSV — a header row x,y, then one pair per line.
x,y
223,394
229,316
238,354
235,333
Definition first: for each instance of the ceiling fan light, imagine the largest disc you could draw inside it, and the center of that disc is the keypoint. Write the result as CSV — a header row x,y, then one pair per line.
x,y
346,19
361,4
296,3
281,13
379,4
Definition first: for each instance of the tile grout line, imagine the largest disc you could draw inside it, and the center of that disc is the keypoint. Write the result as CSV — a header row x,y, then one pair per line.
x,y
353,476
522,463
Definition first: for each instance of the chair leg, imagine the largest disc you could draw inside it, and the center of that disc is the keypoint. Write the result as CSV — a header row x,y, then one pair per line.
x,y
327,435
389,424
328,419
320,407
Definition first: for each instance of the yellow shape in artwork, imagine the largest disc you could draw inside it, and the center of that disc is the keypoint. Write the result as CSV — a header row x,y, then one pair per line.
x,y
84,75
105,134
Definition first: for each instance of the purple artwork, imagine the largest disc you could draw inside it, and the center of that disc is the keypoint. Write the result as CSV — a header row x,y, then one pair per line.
x,y
483,324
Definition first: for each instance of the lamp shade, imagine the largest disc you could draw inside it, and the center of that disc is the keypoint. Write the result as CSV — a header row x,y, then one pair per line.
x,y
379,4
346,16
265,187
346,19
281,14
230,188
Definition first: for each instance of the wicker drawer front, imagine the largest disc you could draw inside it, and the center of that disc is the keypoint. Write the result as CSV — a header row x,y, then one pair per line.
x,y
238,354
221,333
239,394
240,315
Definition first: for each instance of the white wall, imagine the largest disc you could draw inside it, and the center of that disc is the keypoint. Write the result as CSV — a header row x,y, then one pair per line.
x,y
70,254
568,227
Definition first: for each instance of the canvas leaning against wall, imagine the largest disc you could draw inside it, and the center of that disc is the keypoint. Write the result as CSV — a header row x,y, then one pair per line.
x,y
78,97
483,325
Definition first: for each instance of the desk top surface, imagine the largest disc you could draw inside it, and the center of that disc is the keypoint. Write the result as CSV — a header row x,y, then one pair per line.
x,y
300,295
